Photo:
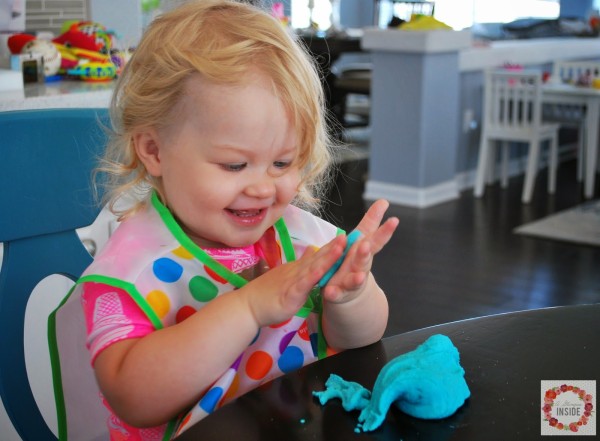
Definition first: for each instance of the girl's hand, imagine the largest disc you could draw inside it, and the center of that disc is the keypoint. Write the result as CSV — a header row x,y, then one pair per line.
x,y
279,293
350,279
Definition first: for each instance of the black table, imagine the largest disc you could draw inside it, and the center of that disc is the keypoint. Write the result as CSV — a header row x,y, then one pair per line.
x,y
505,358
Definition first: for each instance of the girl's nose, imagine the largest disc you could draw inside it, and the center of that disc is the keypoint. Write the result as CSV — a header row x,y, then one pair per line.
x,y
263,187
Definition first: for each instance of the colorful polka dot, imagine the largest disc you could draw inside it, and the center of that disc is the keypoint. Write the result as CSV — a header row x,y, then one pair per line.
x,y
303,331
202,289
259,364
255,338
184,312
184,423
208,403
285,341
236,364
233,389
167,270
314,343
214,275
183,253
291,359
159,302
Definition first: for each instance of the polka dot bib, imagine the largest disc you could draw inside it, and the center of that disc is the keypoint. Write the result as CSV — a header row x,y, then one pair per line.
x,y
170,278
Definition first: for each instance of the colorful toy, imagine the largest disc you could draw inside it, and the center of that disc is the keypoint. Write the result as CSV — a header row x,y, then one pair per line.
x,y
84,49
17,41
87,35
49,52
95,71
28,44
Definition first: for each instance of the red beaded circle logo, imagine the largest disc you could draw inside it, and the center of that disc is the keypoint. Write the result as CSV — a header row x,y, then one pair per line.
x,y
569,415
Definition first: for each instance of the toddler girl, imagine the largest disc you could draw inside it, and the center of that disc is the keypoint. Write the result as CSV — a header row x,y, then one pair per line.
x,y
208,288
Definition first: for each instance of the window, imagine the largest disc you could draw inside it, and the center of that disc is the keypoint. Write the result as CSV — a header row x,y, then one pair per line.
x,y
459,14
318,10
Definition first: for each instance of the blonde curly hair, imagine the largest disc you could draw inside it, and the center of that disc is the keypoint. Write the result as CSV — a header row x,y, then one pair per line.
x,y
221,40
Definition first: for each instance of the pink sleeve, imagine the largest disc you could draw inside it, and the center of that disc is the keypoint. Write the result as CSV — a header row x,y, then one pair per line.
x,y
111,315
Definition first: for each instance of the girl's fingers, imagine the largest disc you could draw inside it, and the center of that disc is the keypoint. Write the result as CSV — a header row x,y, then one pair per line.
x,y
370,225
372,218
383,234
316,262
359,259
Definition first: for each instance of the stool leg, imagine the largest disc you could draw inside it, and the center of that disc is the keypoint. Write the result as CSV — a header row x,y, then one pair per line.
x,y
532,164
482,165
490,173
505,146
580,150
552,164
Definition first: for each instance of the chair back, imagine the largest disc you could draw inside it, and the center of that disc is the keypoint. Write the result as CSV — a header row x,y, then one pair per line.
x,y
47,157
512,100
576,72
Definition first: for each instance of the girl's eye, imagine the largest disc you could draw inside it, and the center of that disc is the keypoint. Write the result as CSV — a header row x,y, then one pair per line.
x,y
282,164
234,167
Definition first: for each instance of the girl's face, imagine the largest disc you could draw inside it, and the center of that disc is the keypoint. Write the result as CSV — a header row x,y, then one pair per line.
x,y
228,164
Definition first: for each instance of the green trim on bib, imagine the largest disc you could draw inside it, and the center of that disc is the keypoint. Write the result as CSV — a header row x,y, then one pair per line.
x,y
59,397
170,430
286,240
231,277
236,280
321,342
313,302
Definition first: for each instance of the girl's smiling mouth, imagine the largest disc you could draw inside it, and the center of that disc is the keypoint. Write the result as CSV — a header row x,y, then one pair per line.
x,y
247,217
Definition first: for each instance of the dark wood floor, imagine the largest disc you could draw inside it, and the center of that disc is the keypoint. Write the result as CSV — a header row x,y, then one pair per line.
x,y
460,259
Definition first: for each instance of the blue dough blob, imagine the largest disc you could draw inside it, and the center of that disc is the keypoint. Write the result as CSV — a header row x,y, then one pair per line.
x,y
426,383
352,395
352,237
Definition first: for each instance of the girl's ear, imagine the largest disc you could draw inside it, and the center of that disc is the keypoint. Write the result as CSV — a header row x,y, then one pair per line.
x,y
146,145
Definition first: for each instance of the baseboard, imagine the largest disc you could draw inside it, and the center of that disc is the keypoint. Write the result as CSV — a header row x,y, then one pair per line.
x,y
411,196
446,191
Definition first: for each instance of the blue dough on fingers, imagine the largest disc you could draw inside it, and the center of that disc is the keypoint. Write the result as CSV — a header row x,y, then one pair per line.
x,y
426,383
352,238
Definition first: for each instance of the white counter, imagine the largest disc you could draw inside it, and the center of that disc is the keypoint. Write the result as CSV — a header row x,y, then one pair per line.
x,y
396,40
56,95
533,51
473,55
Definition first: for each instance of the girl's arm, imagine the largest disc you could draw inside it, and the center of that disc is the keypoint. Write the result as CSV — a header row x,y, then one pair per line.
x,y
147,381
355,309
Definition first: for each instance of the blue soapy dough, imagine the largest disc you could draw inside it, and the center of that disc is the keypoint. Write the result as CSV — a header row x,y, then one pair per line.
x,y
353,395
352,237
426,383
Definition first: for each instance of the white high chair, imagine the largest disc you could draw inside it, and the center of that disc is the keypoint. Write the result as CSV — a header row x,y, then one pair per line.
x,y
513,113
